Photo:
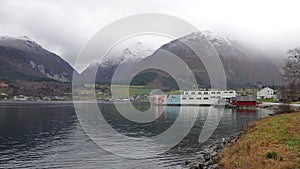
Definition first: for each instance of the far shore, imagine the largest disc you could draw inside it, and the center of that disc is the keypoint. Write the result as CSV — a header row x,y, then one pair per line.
x,y
277,104
60,102
33,102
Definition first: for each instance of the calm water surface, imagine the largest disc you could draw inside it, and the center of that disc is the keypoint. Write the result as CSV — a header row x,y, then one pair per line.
x,y
48,135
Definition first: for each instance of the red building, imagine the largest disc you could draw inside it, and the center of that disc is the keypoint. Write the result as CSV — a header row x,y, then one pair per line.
x,y
244,101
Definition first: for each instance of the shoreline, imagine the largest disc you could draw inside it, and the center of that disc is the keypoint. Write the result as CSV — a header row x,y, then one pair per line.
x,y
265,143
215,155
268,105
208,157
34,102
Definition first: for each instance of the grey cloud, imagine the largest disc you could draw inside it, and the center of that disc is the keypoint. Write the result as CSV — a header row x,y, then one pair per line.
x,y
64,26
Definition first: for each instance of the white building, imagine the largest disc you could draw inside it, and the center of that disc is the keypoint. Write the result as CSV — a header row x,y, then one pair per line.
x,y
207,97
265,93
211,97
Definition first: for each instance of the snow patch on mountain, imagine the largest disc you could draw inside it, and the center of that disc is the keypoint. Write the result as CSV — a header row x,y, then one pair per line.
x,y
214,38
22,43
131,54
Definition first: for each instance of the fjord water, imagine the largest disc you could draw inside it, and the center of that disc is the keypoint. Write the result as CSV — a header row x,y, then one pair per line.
x,y
48,135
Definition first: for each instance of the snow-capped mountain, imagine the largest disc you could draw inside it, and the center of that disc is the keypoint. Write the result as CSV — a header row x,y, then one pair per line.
x,y
23,43
136,51
133,54
214,38
244,65
22,58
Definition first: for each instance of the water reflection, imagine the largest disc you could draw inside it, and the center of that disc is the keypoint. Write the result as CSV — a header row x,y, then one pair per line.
x,y
49,135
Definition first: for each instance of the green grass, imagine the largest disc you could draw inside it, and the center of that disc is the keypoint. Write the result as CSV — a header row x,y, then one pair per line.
x,y
272,154
266,100
176,92
269,142
102,96
120,90
138,90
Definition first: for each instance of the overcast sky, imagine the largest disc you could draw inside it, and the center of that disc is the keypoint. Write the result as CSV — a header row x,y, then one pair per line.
x,y
64,26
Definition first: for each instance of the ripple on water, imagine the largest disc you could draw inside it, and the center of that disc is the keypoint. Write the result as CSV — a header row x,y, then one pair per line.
x,y
49,136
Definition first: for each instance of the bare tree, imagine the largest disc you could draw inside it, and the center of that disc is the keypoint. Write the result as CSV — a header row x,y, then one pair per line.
x,y
291,75
292,68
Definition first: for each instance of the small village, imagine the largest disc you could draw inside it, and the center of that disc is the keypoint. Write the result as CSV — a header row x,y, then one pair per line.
x,y
34,91
236,98
243,98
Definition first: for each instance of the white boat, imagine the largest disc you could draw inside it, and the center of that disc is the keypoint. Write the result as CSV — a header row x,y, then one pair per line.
x,y
21,98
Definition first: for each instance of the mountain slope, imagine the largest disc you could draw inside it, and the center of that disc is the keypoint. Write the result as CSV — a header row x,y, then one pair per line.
x,y
22,58
243,65
129,56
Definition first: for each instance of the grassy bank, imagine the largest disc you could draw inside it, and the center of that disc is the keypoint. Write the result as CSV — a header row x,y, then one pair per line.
x,y
272,142
266,100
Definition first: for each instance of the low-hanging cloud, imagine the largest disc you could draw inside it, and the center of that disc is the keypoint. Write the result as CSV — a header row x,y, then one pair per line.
x,y
64,26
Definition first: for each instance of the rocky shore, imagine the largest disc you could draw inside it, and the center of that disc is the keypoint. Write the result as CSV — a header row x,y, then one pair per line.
x,y
256,149
208,158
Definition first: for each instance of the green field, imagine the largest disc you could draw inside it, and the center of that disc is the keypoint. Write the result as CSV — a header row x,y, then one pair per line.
x,y
176,92
102,96
139,90
266,100
120,90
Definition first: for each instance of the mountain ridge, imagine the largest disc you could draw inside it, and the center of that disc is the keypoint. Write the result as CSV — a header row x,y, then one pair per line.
x,y
244,65
22,56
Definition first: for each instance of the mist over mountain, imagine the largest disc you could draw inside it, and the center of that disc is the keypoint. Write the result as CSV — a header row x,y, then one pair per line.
x,y
24,59
128,57
244,65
